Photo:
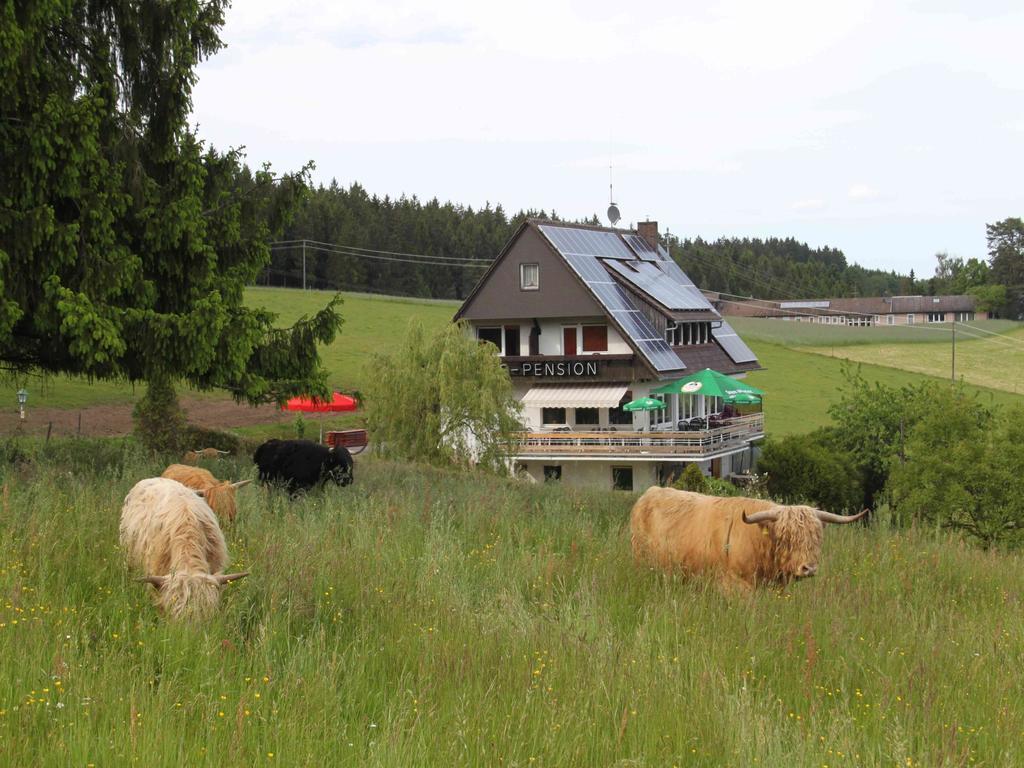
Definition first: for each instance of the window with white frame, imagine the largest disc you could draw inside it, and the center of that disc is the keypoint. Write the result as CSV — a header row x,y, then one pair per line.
x,y
529,277
495,336
964,317
910,319
936,317
890,319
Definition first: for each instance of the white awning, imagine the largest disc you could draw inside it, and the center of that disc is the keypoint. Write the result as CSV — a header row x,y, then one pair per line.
x,y
575,396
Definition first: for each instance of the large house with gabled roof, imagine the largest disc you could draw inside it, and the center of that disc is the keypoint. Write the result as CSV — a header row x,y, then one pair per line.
x,y
587,319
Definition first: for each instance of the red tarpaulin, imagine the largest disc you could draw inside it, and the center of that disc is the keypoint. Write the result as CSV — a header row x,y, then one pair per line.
x,y
338,402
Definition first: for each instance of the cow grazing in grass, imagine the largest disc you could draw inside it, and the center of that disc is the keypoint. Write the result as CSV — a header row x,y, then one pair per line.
x,y
219,494
302,464
171,535
747,541
191,457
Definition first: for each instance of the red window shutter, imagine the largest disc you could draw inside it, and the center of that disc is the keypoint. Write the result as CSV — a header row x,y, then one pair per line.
x,y
595,338
568,341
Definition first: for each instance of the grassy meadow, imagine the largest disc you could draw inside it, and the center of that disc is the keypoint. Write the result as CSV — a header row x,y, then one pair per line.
x,y
423,617
372,323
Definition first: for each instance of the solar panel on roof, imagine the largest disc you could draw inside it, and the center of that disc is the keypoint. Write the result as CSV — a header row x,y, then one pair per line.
x,y
670,293
648,342
733,345
642,247
587,242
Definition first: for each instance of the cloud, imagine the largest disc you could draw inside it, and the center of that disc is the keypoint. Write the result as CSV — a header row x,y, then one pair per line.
x,y
862,192
860,125
810,204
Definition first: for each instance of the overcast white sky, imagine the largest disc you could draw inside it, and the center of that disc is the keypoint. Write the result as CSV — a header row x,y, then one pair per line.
x,y
891,130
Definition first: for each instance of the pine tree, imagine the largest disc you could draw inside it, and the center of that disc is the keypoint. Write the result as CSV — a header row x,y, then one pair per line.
x,y
125,242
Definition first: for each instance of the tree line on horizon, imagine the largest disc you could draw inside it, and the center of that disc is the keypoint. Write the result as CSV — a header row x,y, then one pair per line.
x,y
766,268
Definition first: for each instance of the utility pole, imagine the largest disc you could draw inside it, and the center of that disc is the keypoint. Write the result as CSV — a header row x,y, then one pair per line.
x,y
303,265
952,325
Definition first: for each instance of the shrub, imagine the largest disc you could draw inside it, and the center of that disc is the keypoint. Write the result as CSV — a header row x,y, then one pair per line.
x,y
715,486
961,471
691,479
806,469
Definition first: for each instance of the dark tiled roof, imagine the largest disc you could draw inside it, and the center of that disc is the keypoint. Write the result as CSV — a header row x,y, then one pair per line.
x,y
697,357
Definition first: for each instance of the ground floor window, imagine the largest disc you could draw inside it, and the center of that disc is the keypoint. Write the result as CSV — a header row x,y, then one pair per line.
x,y
552,472
552,415
910,319
936,317
890,319
964,317
622,478
587,416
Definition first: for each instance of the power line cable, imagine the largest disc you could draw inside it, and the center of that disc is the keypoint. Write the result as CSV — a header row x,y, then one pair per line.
x,y
425,261
352,250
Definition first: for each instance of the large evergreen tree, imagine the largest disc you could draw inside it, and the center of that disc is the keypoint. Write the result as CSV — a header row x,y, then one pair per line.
x,y
125,242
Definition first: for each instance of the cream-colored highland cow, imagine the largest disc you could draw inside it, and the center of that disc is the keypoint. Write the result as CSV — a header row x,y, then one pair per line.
x,y
171,535
219,494
747,541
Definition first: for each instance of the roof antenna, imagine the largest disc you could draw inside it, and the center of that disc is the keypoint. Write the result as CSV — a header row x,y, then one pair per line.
x,y
613,209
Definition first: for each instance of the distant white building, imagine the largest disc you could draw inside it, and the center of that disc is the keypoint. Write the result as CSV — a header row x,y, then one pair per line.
x,y
587,319
858,312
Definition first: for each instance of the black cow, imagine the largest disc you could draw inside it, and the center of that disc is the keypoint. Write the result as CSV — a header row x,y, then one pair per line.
x,y
302,464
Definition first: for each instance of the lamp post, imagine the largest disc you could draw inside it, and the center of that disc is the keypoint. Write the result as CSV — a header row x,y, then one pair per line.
x,y
22,398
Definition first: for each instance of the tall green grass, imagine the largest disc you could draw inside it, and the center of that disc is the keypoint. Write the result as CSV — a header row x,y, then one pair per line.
x,y
424,617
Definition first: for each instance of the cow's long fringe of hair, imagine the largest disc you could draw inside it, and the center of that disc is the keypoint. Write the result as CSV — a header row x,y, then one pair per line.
x,y
797,535
166,530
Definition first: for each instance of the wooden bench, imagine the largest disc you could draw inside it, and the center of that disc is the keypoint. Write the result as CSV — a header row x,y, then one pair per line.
x,y
355,440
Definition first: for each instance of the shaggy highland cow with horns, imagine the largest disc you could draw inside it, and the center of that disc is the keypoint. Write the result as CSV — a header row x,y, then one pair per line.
x,y
171,535
748,541
219,494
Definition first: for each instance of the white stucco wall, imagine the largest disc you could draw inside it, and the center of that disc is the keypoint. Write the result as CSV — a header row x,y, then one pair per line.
x,y
595,474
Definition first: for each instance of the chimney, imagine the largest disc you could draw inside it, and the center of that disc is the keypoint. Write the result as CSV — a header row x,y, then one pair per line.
x,y
648,230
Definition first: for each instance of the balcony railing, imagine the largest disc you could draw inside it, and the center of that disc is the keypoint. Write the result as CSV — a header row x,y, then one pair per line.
x,y
734,433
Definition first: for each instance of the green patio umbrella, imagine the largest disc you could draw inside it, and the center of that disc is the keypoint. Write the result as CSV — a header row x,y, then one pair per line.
x,y
643,404
742,398
710,384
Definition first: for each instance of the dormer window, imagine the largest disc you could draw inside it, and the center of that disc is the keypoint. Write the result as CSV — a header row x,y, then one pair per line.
x,y
529,277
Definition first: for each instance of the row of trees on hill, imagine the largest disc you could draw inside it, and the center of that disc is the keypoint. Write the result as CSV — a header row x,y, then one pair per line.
x,y
406,239
417,232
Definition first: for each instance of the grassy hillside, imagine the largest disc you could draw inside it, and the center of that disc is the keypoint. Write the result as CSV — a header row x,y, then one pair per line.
x,y
800,385
436,619
993,363
801,382
371,324
813,335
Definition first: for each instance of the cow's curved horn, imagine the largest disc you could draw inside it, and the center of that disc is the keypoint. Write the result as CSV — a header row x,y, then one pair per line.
x,y
830,517
224,578
222,453
765,516
240,483
156,581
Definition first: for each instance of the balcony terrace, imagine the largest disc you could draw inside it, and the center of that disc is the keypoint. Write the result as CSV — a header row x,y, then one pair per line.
x,y
715,439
